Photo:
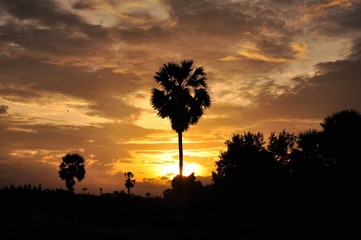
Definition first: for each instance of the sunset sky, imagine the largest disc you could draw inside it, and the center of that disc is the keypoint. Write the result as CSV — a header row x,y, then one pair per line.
x,y
76,76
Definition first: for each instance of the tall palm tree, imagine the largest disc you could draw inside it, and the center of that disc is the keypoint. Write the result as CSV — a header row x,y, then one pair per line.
x,y
183,97
72,167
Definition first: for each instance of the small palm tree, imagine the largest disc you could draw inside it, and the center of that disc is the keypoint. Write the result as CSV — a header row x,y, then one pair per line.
x,y
129,182
72,167
183,97
84,190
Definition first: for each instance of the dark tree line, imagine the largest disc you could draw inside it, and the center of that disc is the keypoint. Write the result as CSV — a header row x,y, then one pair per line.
x,y
290,177
312,154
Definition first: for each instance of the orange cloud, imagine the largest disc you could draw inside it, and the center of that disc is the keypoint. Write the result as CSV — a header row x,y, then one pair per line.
x,y
301,49
319,10
252,52
255,55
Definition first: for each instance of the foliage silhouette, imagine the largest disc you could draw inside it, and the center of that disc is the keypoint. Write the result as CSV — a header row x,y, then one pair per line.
x,y
281,145
183,97
129,182
192,189
245,161
307,159
340,139
72,167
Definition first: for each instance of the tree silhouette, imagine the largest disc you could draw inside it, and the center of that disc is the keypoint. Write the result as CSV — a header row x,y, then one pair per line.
x,y
183,97
84,190
72,167
191,188
340,139
129,182
281,145
245,161
307,160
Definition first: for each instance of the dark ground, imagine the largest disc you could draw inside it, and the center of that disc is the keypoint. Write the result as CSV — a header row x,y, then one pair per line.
x,y
37,214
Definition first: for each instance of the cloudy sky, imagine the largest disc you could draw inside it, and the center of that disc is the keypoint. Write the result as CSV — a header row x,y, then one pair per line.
x,y
76,76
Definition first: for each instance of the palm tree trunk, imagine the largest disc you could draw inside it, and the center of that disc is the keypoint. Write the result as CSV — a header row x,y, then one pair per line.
x,y
180,146
180,206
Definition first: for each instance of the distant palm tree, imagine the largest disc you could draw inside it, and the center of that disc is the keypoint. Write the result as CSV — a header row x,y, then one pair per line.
x,y
72,167
183,97
84,190
129,182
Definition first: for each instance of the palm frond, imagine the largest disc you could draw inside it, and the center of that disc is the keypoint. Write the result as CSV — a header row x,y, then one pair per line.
x,y
163,80
160,102
202,97
196,113
183,96
198,78
184,71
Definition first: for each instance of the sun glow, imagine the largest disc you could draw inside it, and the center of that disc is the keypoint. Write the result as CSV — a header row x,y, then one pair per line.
x,y
164,165
172,169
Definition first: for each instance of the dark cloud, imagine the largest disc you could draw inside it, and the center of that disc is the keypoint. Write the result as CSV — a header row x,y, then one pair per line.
x,y
335,86
355,53
212,30
303,103
278,47
27,79
340,19
47,13
23,171
230,17
84,5
60,32
350,18
219,18
64,137
44,27
3,109
140,35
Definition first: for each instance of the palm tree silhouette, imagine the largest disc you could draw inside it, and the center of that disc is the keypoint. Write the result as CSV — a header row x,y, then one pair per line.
x,y
84,190
183,97
72,167
129,182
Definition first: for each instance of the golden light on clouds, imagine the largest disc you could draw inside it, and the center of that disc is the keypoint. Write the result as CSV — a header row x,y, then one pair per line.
x,y
301,49
250,51
55,109
319,10
77,76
